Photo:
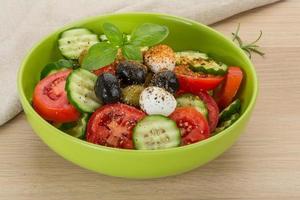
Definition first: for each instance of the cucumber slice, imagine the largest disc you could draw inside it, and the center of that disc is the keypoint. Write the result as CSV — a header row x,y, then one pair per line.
x,y
234,107
209,67
192,101
54,67
188,57
80,90
225,124
200,62
73,41
156,132
76,129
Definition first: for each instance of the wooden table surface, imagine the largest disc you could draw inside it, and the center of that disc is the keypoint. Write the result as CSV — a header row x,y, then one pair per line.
x,y
263,164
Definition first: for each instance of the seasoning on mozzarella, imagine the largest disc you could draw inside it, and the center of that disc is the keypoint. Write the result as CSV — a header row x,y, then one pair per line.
x,y
155,100
160,57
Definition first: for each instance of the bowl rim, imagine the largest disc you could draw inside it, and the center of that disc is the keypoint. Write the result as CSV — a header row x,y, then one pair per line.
x,y
218,136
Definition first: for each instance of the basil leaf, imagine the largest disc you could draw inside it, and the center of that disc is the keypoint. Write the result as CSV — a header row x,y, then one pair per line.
x,y
64,63
148,34
131,52
113,34
99,55
47,69
55,66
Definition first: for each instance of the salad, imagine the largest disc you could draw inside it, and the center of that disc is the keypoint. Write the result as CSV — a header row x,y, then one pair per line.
x,y
131,91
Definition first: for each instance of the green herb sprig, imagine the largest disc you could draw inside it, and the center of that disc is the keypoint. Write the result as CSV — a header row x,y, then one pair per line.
x,y
248,48
104,53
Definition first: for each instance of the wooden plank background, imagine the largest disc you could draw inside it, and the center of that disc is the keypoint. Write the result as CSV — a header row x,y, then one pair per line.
x,y
263,164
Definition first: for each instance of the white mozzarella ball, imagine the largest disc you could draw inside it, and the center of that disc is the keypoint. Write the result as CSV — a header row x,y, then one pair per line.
x,y
160,57
155,100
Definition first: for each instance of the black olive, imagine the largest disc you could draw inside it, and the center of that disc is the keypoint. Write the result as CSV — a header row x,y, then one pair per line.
x,y
131,72
107,88
166,79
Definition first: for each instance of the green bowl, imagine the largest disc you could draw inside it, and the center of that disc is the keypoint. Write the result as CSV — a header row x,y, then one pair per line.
x,y
142,164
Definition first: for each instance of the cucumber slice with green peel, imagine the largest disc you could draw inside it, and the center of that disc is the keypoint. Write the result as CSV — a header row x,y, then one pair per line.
x,y
200,62
73,41
225,124
234,107
210,67
76,129
188,57
156,132
80,90
192,101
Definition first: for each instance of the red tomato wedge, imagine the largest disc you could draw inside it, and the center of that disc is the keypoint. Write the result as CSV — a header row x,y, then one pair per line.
x,y
50,99
192,124
194,82
230,87
213,109
112,124
109,68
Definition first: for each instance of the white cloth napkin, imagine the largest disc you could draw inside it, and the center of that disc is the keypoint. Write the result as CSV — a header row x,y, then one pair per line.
x,y
23,23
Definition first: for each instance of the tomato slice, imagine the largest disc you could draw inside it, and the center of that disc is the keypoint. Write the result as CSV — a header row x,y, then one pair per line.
x,y
50,99
230,87
112,124
213,109
109,68
190,81
193,125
